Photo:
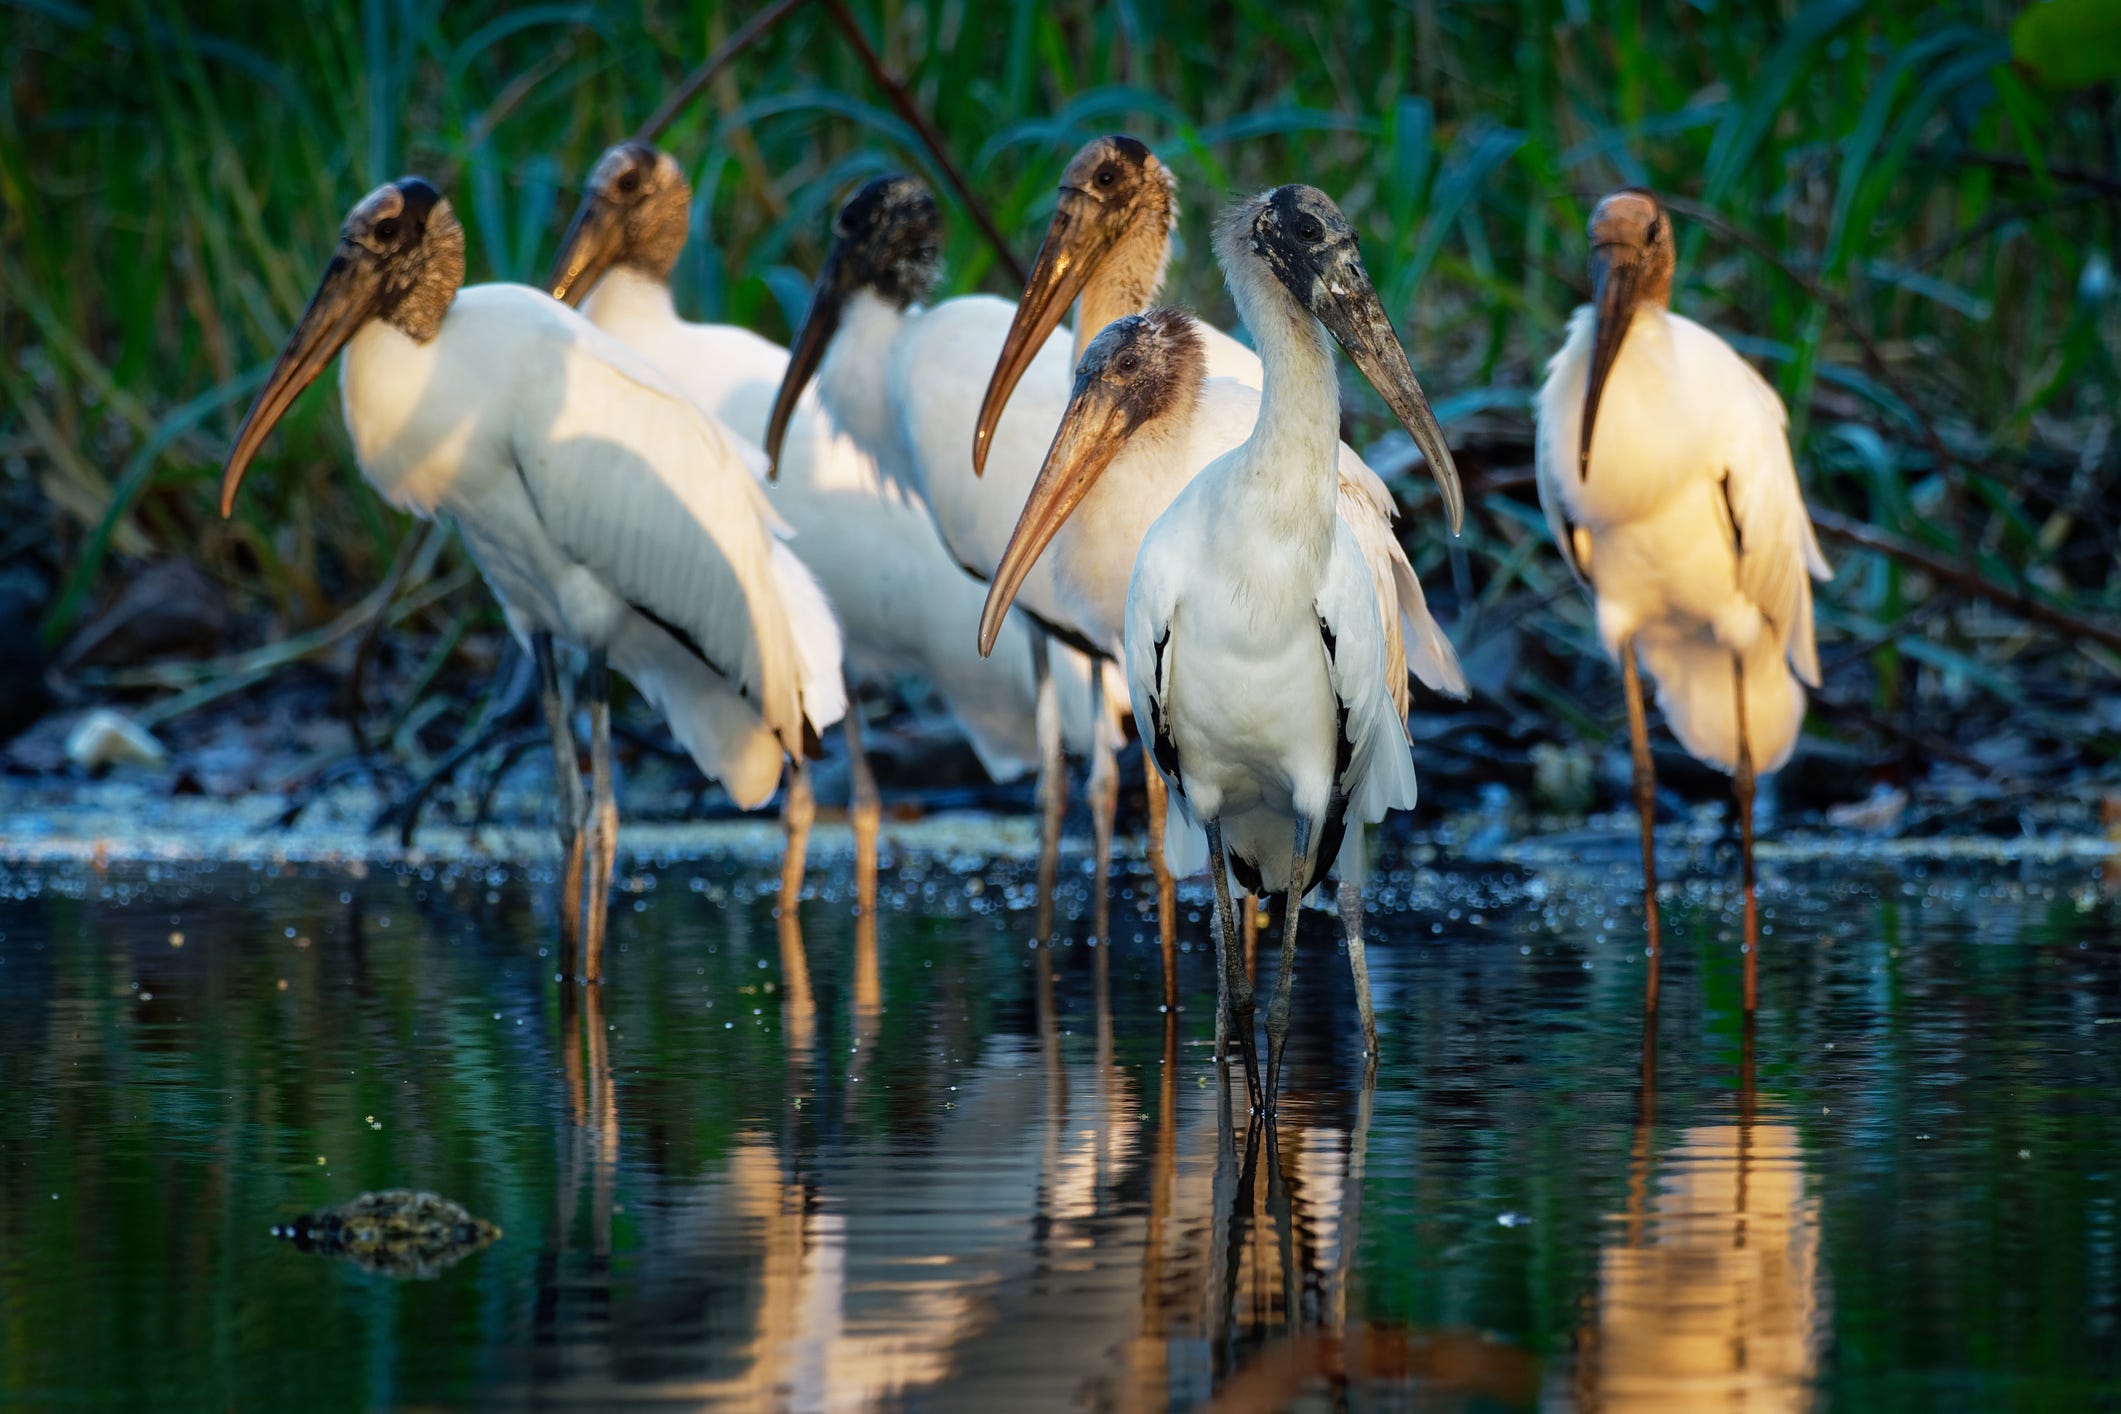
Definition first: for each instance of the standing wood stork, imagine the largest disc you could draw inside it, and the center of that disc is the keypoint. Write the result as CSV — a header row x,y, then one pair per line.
x,y
887,367
604,510
1253,576
614,264
1684,519
1108,246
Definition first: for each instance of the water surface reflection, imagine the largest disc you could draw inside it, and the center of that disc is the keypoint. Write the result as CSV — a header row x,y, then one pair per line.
x,y
909,1161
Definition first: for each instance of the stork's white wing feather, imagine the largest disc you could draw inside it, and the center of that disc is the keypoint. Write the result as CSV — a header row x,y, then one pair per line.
x,y
659,502
1778,553
1379,775
1554,439
1152,641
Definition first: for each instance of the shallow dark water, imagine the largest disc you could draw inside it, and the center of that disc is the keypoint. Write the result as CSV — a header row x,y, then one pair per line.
x,y
853,1171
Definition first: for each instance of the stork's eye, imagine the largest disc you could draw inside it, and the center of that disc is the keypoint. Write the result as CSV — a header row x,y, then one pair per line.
x,y
1310,230
1107,175
1129,363
630,182
387,229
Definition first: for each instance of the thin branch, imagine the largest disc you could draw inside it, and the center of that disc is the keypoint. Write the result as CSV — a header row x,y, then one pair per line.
x,y
911,113
2071,176
2019,601
747,35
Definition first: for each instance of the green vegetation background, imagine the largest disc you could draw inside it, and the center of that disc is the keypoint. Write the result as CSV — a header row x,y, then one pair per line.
x,y
1909,225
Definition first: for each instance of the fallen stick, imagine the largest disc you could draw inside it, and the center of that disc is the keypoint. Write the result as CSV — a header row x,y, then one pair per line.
x,y
910,111
2019,601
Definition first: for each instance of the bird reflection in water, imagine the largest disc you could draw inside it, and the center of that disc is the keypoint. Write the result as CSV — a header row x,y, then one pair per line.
x,y
1075,1226
1710,1294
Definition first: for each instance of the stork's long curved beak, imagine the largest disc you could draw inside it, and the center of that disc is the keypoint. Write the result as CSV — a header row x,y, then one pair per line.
x,y
344,300
1092,432
828,301
1347,304
1076,240
1616,274
587,250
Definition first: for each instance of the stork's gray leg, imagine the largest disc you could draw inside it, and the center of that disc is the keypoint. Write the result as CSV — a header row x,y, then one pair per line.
x,y
1358,964
603,817
572,807
798,813
1645,808
1052,780
1233,990
1102,796
1166,887
1278,1012
1742,786
866,807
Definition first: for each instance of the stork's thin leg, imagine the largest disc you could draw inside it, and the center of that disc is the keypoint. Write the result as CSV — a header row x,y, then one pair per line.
x,y
1052,782
1166,888
1102,794
572,807
1645,809
1278,1012
603,817
866,807
1234,993
1248,919
798,812
1358,964
1742,785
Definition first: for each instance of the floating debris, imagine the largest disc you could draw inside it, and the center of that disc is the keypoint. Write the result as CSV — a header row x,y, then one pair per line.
x,y
397,1232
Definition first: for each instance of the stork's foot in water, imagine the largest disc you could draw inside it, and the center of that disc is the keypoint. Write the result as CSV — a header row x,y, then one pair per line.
x,y
1234,1011
798,813
866,809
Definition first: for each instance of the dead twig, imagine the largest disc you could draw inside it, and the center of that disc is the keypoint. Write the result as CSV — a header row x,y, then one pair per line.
x,y
910,111
747,35
2021,602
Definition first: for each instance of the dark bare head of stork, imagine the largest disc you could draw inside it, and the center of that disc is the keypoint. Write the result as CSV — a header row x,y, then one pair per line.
x,y
887,240
636,210
1117,209
1300,235
1631,266
400,259
1140,375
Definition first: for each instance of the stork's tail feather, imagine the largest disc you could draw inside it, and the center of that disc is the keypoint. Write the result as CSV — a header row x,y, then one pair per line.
x,y
1430,656
1185,841
817,646
1695,690
724,735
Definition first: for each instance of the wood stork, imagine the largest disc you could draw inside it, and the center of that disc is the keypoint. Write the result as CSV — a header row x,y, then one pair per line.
x,y
604,510
887,368
1253,576
1108,245
614,264
1683,518
903,603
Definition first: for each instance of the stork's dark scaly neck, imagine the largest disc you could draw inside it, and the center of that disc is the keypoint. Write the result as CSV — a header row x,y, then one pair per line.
x,y
434,275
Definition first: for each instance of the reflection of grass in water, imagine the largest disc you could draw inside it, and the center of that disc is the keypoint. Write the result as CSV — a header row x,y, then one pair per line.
x,y
187,170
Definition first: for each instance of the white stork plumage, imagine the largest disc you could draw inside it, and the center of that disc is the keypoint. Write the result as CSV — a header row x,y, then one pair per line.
x,y
1108,246
887,367
1253,576
902,602
1664,469
603,509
